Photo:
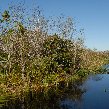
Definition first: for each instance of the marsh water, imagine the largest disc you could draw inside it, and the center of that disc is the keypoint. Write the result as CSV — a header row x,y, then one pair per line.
x,y
91,93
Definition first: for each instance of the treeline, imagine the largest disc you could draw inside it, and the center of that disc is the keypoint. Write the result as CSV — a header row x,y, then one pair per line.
x,y
31,57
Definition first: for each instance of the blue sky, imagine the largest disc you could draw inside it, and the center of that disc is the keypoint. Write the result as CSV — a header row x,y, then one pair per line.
x,y
91,15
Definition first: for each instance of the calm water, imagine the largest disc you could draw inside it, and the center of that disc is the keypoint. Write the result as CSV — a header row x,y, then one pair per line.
x,y
92,93
95,97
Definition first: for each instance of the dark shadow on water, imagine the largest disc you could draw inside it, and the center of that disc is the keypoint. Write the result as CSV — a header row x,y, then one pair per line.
x,y
87,93
54,98
97,77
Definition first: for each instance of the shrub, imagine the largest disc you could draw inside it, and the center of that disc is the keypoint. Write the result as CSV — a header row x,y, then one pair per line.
x,y
57,54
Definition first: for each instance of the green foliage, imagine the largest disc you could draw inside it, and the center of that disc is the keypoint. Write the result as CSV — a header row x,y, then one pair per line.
x,y
82,72
30,57
57,54
5,16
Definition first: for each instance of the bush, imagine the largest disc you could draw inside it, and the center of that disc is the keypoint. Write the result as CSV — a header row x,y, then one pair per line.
x,y
57,54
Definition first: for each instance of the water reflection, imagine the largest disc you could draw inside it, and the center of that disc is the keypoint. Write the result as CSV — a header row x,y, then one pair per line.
x,y
105,68
92,93
55,98
98,77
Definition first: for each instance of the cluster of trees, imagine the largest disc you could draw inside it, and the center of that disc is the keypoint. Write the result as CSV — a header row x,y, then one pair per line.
x,y
37,52
21,47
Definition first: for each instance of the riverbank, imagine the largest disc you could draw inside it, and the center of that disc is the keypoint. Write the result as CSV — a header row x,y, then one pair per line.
x,y
13,91
13,84
55,97
32,59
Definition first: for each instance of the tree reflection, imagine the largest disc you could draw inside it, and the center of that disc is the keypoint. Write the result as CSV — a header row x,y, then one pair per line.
x,y
97,77
53,98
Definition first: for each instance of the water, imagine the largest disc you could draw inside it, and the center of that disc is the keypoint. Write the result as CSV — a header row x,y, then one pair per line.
x,y
96,95
93,93
105,68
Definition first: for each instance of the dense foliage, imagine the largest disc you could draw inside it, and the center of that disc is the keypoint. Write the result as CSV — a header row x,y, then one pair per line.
x,y
31,57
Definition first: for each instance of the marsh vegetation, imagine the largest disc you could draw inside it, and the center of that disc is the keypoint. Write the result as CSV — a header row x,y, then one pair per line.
x,y
37,54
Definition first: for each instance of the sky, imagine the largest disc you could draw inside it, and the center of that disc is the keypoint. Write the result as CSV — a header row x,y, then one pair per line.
x,y
90,15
